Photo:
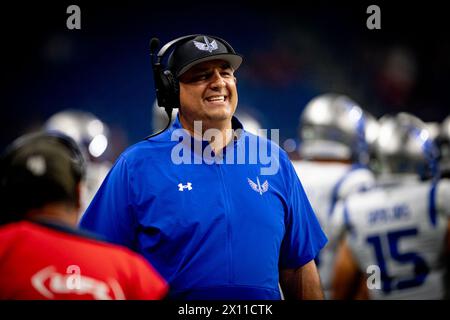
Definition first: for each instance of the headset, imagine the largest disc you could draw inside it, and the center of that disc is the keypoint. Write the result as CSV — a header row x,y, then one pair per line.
x,y
166,84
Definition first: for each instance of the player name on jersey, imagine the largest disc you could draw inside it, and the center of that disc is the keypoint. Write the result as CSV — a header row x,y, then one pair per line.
x,y
387,215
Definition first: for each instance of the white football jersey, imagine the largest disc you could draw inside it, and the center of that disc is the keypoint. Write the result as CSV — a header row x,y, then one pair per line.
x,y
325,183
401,230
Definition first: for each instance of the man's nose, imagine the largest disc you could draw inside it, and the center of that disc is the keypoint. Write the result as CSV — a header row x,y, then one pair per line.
x,y
217,81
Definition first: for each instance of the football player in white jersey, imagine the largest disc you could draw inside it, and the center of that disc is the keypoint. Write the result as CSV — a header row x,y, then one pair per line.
x,y
397,233
92,136
334,146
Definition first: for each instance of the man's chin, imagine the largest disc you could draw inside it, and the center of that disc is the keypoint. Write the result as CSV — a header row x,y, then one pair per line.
x,y
219,115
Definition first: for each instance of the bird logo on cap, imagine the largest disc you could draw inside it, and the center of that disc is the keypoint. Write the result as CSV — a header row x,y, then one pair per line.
x,y
207,46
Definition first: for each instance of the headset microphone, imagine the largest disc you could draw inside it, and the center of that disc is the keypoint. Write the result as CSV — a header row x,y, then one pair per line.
x,y
154,45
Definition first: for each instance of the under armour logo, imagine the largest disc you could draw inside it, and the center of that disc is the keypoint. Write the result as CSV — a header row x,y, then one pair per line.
x,y
207,46
181,186
258,187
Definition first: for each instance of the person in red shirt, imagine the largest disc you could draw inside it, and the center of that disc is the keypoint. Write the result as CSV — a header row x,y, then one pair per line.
x,y
42,255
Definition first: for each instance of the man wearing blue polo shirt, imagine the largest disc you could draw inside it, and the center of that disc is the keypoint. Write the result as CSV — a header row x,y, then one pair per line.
x,y
200,201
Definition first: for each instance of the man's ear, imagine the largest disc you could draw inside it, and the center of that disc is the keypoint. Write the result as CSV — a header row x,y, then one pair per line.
x,y
235,79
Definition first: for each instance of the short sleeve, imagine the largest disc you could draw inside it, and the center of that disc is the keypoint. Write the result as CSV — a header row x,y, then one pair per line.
x,y
110,213
304,237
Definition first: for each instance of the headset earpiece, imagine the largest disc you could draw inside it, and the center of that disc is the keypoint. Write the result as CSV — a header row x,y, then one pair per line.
x,y
166,84
172,87
167,88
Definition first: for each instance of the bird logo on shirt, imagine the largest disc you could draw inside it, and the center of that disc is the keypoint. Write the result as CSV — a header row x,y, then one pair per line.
x,y
258,187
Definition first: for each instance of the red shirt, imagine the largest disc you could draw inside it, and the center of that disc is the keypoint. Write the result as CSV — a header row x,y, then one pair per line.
x,y
41,262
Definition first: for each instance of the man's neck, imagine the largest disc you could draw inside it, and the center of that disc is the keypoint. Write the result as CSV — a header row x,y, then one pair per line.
x,y
58,213
218,133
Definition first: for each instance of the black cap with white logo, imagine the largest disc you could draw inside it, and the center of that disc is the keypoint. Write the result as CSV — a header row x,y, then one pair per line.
x,y
200,49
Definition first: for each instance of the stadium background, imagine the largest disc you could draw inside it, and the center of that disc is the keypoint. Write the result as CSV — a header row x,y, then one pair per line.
x,y
292,52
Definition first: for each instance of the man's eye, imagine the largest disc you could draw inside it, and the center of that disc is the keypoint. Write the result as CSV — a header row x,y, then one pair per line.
x,y
200,77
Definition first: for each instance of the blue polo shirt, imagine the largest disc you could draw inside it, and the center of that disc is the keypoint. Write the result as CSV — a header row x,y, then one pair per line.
x,y
213,229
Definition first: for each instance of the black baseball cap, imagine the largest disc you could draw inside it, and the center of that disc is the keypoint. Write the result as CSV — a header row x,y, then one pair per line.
x,y
199,49
39,168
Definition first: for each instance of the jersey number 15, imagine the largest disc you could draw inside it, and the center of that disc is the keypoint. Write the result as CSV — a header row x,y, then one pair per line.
x,y
421,268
